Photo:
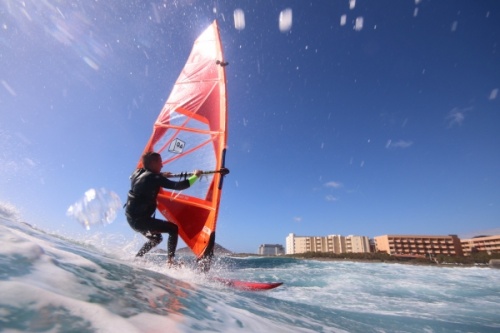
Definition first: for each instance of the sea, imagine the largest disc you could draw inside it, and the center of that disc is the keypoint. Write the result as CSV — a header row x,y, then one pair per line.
x,y
53,283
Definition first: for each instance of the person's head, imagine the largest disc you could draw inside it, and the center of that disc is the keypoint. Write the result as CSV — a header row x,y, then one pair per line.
x,y
152,161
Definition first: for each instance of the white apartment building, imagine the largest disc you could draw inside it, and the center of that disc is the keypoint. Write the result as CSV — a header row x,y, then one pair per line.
x,y
271,249
357,244
329,244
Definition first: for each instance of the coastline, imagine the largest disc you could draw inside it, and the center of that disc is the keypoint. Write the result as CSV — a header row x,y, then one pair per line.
x,y
389,260
403,262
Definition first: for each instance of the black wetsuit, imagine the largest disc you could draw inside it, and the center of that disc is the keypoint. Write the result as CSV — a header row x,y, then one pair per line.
x,y
141,205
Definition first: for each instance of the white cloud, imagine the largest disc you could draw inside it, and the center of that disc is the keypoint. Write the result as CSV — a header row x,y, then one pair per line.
x,y
13,159
333,184
297,219
457,116
454,26
398,144
330,198
494,94
8,88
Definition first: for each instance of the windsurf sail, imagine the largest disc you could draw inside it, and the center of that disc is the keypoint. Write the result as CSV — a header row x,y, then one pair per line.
x,y
191,133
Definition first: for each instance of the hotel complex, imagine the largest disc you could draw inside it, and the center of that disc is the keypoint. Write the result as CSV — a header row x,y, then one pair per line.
x,y
403,245
488,244
331,244
418,245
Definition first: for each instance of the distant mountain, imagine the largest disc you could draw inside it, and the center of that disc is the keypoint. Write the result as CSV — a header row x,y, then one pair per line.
x,y
219,250
477,233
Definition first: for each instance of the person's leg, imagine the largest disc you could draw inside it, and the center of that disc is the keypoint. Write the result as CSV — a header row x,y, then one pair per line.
x,y
152,229
141,225
173,237
157,227
154,239
205,261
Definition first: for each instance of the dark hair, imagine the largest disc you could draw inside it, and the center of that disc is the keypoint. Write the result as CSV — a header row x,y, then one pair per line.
x,y
148,157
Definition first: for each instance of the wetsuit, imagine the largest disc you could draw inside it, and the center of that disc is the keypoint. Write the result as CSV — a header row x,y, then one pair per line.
x,y
141,205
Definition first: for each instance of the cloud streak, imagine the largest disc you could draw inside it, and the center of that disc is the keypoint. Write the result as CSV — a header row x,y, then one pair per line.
x,y
330,198
456,116
333,184
398,144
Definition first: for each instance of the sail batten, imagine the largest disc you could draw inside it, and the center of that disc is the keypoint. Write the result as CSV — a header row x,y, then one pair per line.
x,y
191,133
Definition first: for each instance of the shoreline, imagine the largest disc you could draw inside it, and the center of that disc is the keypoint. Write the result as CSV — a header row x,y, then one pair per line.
x,y
403,262
411,261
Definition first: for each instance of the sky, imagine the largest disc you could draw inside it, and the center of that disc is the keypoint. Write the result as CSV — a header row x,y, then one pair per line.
x,y
345,117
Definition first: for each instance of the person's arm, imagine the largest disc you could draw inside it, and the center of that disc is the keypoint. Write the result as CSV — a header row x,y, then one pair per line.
x,y
196,175
181,185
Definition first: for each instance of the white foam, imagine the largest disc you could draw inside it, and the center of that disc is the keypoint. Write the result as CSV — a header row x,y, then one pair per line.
x,y
110,295
285,20
358,25
239,19
343,19
31,297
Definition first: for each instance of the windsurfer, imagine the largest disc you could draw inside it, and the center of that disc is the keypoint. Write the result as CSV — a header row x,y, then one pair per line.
x,y
141,203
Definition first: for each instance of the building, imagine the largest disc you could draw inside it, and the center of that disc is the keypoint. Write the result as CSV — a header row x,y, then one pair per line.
x,y
357,244
488,244
301,244
271,250
419,245
328,244
373,248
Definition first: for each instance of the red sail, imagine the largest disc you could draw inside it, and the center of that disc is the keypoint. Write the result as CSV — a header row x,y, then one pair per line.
x,y
190,133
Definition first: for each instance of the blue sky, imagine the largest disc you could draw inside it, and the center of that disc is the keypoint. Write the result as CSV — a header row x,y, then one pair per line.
x,y
366,117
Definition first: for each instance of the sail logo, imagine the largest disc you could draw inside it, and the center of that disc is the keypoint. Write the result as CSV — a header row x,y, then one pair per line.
x,y
177,146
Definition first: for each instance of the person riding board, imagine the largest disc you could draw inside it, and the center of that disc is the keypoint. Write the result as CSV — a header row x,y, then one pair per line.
x,y
141,203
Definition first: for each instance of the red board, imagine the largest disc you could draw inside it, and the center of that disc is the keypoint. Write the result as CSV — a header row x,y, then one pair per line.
x,y
248,285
